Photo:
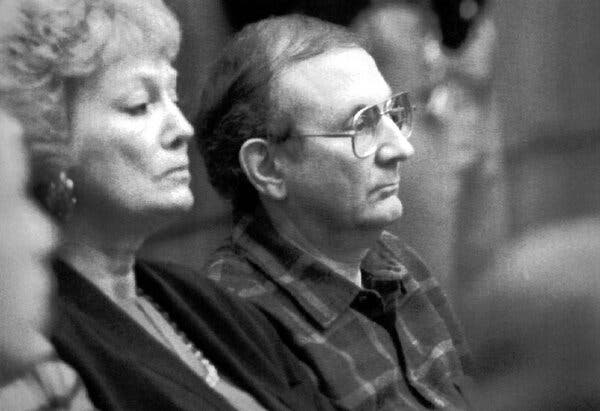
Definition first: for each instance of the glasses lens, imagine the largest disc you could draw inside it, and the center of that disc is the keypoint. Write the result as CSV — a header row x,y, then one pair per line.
x,y
400,111
365,123
398,108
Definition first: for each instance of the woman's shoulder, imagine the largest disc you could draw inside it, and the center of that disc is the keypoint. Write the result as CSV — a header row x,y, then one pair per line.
x,y
185,280
184,287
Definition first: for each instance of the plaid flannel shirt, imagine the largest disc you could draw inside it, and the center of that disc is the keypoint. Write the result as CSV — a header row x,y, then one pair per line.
x,y
392,345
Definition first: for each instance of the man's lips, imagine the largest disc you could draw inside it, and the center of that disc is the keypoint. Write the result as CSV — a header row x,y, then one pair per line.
x,y
394,184
387,188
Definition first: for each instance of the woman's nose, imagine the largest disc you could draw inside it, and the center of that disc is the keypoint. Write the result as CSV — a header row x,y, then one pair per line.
x,y
180,131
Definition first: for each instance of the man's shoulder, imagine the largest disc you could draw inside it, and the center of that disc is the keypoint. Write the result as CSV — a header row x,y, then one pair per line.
x,y
228,257
233,269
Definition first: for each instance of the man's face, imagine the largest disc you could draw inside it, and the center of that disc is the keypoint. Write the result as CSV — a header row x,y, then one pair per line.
x,y
326,183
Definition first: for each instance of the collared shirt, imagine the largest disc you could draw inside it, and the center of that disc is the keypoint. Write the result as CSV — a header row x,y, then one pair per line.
x,y
392,344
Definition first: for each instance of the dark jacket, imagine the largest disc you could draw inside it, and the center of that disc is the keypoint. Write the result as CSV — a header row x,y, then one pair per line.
x,y
123,367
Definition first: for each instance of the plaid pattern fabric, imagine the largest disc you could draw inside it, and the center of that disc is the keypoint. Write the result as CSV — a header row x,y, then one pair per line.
x,y
392,345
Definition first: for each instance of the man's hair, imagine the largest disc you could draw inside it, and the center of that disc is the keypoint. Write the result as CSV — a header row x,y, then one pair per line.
x,y
48,46
239,101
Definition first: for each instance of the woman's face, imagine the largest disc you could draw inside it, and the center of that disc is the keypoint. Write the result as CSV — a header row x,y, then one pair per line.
x,y
131,141
27,238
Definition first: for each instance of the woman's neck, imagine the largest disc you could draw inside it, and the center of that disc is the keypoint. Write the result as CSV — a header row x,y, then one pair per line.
x,y
104,258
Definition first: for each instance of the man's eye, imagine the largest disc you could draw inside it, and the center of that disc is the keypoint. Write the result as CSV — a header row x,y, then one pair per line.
x,y
137,110
360,123
367,120
395,115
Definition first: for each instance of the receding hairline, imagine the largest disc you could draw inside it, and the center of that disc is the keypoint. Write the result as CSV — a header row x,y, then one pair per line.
x,y
286,95
296,44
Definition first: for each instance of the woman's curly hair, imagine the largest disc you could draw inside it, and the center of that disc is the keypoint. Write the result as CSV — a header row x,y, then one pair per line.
x,y
47,45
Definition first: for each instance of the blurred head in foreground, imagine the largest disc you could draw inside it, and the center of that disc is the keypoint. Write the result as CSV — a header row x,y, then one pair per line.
x,y
27,238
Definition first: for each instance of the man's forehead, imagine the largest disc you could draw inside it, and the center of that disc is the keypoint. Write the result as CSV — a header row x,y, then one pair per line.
x,y
344,76
335,67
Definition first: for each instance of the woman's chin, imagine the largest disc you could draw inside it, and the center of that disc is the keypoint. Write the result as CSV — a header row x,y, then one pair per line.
x,y
178,202
186,200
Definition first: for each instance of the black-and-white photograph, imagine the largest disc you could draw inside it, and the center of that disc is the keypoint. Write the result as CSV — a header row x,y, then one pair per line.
x,y
298,205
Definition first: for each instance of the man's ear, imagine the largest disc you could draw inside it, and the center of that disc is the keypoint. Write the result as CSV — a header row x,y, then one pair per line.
x,y
258,162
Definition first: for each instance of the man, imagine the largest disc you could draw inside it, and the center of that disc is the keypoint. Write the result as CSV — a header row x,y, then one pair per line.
x,y
299,129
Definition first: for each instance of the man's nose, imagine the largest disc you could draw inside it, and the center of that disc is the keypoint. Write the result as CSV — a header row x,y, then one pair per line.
x,y
394,145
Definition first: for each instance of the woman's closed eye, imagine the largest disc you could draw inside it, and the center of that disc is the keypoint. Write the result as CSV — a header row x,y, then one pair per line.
x,y
142,106
173,96
137,109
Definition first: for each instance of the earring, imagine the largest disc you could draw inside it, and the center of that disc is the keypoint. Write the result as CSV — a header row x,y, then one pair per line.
x,y
59,197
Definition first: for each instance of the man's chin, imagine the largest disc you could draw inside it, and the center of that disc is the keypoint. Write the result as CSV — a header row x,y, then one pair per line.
x,y
391,209
382,217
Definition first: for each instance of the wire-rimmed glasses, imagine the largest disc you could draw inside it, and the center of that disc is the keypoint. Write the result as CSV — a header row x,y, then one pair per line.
x,y
364,124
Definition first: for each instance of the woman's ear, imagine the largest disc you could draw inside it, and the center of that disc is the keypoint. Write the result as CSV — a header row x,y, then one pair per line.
x,y
261,168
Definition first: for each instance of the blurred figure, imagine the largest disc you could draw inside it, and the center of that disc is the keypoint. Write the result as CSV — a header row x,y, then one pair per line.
x,y
93,85
454,195
534,321
404,40
31,375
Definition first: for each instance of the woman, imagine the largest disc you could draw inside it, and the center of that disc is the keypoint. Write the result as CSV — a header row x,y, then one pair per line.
x,y
93,84
31,376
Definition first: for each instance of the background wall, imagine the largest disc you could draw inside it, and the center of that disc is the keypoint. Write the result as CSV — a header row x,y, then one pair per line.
x,y
549,89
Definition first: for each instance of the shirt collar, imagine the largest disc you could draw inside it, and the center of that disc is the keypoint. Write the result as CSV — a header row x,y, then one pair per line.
x,y
321,292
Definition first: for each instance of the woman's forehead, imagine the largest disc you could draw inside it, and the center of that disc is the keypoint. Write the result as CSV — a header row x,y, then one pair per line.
x,y
135,70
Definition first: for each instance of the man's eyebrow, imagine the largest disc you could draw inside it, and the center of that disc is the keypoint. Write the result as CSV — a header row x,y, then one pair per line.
x,y
358,107
344,120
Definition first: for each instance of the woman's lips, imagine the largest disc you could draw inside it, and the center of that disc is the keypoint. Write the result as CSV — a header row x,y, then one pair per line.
x,y
181,173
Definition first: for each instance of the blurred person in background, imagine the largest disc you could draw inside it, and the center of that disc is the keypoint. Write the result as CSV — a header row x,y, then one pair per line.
x,y
455,196
304,136
534,321
32,377
92,84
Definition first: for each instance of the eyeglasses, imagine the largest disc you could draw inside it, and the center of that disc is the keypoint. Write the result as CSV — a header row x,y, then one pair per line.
x,y
365,121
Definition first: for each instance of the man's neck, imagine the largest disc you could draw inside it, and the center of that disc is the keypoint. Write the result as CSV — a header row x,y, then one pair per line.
x,y
342,251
